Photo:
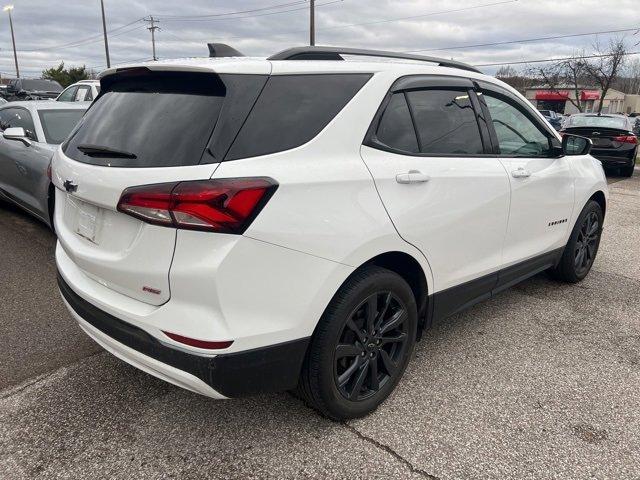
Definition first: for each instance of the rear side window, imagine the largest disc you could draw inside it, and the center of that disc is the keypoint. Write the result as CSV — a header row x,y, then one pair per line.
x,y
57,124
291,110
445,122
149,120
395,129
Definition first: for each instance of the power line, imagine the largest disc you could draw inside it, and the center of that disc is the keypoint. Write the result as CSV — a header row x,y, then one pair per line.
x,y
522,62
238,12
85,41
526,40
252,16
412,17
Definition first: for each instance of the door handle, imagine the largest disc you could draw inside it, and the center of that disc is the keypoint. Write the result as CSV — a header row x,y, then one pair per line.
x,y
412,176
520,172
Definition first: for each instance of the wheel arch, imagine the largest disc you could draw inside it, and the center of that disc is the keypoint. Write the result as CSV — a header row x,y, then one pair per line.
x,y
412,272
51,198
600,198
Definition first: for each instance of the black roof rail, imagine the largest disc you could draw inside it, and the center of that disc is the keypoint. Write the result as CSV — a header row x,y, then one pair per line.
x,y
335,53
222,50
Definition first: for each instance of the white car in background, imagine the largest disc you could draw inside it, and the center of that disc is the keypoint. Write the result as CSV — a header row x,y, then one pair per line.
x,y
82,91
236,226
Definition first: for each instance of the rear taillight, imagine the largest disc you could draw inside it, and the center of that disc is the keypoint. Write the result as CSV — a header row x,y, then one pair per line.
x,y
626,139
226,205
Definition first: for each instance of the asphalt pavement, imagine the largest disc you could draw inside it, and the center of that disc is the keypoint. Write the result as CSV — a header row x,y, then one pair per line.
x,y
542,381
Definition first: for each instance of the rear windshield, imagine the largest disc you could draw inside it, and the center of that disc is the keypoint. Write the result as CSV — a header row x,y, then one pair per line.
x,y
149,120
597,121
41,85
57,124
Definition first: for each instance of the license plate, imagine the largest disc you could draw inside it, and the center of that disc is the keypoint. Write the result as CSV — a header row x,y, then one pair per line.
x,y
87,219
600,141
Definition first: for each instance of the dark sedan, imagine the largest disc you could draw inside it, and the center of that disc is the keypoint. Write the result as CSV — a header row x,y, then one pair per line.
x,y
614,142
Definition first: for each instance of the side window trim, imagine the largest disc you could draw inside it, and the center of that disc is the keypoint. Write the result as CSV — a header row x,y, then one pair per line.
x,y
428,82
413,120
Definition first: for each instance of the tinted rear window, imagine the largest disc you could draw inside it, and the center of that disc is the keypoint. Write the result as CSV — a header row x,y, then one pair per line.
x,y
57,124
293,109
597,121
42,85
162,119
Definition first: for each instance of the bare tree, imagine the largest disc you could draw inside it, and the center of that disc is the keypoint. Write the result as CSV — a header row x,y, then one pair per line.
x,y
513,77
562,76
629,79
604,68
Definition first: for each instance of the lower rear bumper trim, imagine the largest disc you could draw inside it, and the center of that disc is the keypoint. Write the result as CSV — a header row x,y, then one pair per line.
x,y
267,369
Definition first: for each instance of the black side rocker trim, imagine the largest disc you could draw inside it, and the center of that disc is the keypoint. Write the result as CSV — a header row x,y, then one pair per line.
x,y
455,299
268,369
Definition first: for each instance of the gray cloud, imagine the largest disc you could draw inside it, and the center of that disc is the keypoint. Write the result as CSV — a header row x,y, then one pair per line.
x,y
41,24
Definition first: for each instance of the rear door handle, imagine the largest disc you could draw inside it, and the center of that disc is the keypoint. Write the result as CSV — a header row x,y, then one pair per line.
x,y
520,173
412,176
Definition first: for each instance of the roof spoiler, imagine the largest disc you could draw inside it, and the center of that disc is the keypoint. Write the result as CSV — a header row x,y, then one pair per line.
x,y
223,50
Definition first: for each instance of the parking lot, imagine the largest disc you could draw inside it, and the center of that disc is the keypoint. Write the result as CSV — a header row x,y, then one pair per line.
x,y
542,381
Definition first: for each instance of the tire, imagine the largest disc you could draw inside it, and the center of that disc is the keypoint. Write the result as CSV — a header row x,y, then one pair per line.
x,y
337,377
582,247
627,171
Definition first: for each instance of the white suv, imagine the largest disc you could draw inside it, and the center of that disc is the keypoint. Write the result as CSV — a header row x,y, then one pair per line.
x,y
236,225
82,91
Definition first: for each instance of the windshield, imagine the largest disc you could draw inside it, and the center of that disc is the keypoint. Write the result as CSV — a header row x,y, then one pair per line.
x,y
42,85
57,124
597,121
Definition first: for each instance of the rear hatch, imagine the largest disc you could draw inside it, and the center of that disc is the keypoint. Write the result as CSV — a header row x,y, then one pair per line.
x,y
601,137
146,127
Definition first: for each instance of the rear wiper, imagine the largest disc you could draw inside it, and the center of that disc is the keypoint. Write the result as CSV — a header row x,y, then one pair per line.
x,y
100,151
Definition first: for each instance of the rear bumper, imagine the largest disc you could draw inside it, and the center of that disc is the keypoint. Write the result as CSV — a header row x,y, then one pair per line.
x,y
267,369
615,159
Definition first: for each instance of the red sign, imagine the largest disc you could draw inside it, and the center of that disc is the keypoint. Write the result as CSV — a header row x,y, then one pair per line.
x,y
552,95
589,95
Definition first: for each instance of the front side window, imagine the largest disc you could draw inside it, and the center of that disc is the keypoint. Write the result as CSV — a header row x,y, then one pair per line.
x,y
517,134
68,95
445,122
18,117
395,129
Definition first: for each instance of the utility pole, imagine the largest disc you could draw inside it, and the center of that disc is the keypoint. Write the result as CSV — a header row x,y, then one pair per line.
x,y
8,9
104,30
312,22
153,29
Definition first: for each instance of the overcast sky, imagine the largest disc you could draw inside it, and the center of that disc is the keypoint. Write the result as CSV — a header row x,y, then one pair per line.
x,y
50,31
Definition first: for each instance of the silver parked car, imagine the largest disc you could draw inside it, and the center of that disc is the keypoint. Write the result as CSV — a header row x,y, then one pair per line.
x,y
31,131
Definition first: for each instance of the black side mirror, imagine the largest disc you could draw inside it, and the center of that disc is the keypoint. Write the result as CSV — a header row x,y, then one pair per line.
x,y
576,145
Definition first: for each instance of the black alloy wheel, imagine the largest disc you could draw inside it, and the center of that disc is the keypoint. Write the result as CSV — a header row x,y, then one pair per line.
x,y
371,345
361,345
582,247
586,243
